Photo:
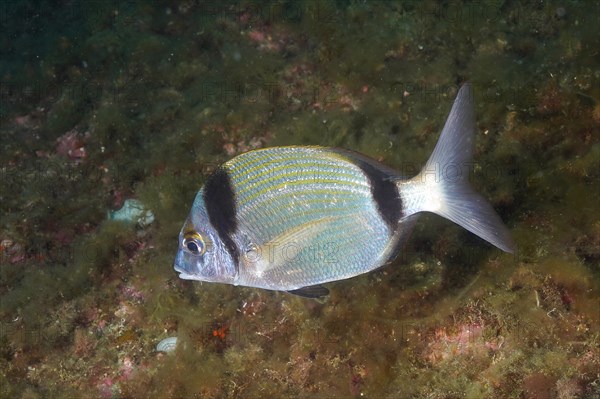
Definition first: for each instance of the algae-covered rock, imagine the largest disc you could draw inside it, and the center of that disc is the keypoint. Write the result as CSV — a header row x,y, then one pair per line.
x,y
133,211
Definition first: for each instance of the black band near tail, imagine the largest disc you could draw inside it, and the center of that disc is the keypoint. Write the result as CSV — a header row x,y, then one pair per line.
x,y
385,194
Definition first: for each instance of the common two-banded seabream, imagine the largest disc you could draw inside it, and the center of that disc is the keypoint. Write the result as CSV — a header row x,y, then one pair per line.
x,y
292,218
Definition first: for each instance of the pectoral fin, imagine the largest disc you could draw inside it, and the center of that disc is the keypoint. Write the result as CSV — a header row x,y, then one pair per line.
x,y
281,249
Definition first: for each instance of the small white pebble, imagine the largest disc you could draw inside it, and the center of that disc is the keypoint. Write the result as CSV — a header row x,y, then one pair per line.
x,y
167,345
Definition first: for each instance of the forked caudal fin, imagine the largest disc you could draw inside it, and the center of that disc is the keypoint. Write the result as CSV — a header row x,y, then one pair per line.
x,y
443,188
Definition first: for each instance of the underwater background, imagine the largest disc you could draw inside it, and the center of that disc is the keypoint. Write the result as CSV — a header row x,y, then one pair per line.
x,y
113,114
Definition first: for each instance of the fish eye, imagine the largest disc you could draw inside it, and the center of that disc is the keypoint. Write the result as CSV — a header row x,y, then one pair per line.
x,y
194,244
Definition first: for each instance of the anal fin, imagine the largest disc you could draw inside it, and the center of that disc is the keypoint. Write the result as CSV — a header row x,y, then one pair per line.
x,y
313,291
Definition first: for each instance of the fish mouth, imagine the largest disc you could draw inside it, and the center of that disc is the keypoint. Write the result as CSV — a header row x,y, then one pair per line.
x,y
182,274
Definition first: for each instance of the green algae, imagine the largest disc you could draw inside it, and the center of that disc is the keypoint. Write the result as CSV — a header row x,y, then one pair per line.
x,y
168,92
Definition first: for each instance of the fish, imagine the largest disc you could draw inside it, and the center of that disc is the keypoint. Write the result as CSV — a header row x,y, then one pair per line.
x,y
293,218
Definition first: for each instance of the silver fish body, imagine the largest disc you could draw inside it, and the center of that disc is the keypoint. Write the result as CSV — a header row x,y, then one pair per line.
x,y
288,218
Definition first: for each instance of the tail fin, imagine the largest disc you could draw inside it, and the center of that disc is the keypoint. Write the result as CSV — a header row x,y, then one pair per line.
x,y
443,188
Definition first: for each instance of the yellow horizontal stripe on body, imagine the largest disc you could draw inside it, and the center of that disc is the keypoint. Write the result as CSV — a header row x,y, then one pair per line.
x,y
277,153
292,174
309,210
240,167
272,166
252,161
324,193
281,219
242,177
237,171
275,188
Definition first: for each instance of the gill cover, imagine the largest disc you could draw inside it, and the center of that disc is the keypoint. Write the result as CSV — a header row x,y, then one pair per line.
x,y
202,255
